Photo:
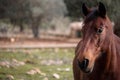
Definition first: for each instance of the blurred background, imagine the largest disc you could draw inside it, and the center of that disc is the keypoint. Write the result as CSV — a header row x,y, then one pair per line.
x,y
40,18
38,37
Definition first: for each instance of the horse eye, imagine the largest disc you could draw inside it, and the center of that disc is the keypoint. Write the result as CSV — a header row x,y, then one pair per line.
x,y
99,30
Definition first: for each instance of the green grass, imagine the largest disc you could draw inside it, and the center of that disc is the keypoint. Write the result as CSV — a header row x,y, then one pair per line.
x,y
35,58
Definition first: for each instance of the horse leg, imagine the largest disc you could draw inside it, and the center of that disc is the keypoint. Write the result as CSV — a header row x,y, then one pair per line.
x,y
76,71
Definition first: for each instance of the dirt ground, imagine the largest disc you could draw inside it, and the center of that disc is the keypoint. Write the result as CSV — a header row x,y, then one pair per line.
x,y
59,42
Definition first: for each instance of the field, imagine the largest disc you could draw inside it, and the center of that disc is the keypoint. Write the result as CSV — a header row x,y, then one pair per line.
x,y
36,64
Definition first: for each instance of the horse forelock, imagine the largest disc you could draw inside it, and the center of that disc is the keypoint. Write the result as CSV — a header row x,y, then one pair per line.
x,y
91,16
91,19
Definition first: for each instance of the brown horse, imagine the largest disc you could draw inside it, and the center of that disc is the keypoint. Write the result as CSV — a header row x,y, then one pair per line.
x,y
97,55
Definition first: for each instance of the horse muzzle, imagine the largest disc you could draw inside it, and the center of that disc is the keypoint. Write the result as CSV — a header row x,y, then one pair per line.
x,y
84,66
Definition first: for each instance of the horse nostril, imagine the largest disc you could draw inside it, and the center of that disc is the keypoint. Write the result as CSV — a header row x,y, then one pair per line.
x,y
83,65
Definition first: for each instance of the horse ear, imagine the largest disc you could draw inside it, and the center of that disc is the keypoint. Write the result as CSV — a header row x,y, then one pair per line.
x,y
85,9
102,9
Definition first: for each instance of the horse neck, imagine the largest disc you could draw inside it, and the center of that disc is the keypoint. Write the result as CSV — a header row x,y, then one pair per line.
x,y
111,56
106,63
117,45
109,47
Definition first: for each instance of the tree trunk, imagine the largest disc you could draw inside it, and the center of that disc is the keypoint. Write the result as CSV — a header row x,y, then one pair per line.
x,y
35,28
21,27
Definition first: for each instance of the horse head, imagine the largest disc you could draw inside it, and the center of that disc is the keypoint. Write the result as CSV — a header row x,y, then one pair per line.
x,y
97,32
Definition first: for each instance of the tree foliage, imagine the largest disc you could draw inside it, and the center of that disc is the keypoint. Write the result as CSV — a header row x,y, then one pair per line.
x,y
20,12
17,11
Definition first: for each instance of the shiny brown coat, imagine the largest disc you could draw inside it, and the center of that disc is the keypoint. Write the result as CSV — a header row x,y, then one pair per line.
x,y
101,48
